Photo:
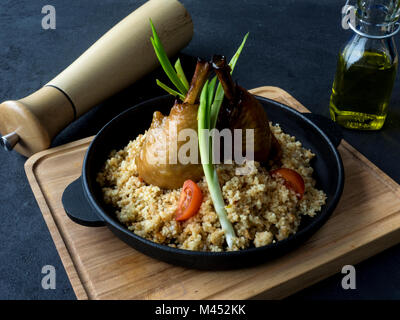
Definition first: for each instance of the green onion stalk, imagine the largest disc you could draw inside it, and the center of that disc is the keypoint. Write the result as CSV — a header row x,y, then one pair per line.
x,y
210,104
210,171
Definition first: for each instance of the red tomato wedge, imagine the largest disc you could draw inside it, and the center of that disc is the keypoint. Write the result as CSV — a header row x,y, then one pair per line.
x,y
293,180
189,201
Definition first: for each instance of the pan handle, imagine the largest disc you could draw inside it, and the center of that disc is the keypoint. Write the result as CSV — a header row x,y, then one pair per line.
x,y
77,207
329,127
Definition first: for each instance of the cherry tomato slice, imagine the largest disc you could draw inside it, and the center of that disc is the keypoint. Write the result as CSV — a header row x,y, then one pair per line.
x,y
189,201
293,180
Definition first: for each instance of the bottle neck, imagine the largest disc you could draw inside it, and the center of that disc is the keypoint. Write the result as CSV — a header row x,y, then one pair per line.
x,y
375,19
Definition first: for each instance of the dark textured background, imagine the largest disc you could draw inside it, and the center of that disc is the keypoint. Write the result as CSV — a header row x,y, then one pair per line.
x,y
293,44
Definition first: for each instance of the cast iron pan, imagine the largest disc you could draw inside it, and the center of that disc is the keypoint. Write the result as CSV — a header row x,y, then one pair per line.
x,y
83,201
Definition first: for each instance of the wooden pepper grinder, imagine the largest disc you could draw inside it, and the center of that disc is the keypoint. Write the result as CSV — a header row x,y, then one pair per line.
x,y
119,58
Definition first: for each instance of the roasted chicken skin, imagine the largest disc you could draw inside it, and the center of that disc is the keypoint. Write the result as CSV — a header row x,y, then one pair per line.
x,y
243,111
158,163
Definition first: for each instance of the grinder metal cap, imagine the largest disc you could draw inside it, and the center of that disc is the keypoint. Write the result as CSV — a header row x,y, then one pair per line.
x,y
9,141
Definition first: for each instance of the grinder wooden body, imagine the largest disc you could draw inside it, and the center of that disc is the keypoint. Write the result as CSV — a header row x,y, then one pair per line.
x,y
122,56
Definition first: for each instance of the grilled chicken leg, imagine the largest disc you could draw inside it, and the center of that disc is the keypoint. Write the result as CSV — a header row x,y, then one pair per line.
x,y
244,111
158,163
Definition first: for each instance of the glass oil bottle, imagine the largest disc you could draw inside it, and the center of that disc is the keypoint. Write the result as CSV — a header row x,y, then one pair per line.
x,y
367,66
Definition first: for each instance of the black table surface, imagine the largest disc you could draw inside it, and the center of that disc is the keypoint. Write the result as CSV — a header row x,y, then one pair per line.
x,y
292,45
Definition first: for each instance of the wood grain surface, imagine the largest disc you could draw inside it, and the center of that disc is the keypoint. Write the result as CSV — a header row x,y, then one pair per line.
x,y
100,266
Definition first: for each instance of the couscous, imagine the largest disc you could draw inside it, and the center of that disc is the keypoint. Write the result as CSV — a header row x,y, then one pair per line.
x,y
261,208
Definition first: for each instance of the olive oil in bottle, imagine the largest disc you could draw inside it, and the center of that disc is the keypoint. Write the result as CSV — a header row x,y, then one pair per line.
x,y
366,68
362,89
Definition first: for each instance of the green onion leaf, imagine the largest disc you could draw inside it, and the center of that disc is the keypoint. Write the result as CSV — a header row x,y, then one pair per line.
x,y
181,74
235,57
169,90
164,61
211,89
219,95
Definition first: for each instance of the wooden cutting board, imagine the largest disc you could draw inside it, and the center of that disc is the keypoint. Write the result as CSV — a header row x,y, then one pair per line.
x,y
100,266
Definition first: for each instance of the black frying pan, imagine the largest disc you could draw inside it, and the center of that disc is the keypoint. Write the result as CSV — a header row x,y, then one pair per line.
x,y
84,203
